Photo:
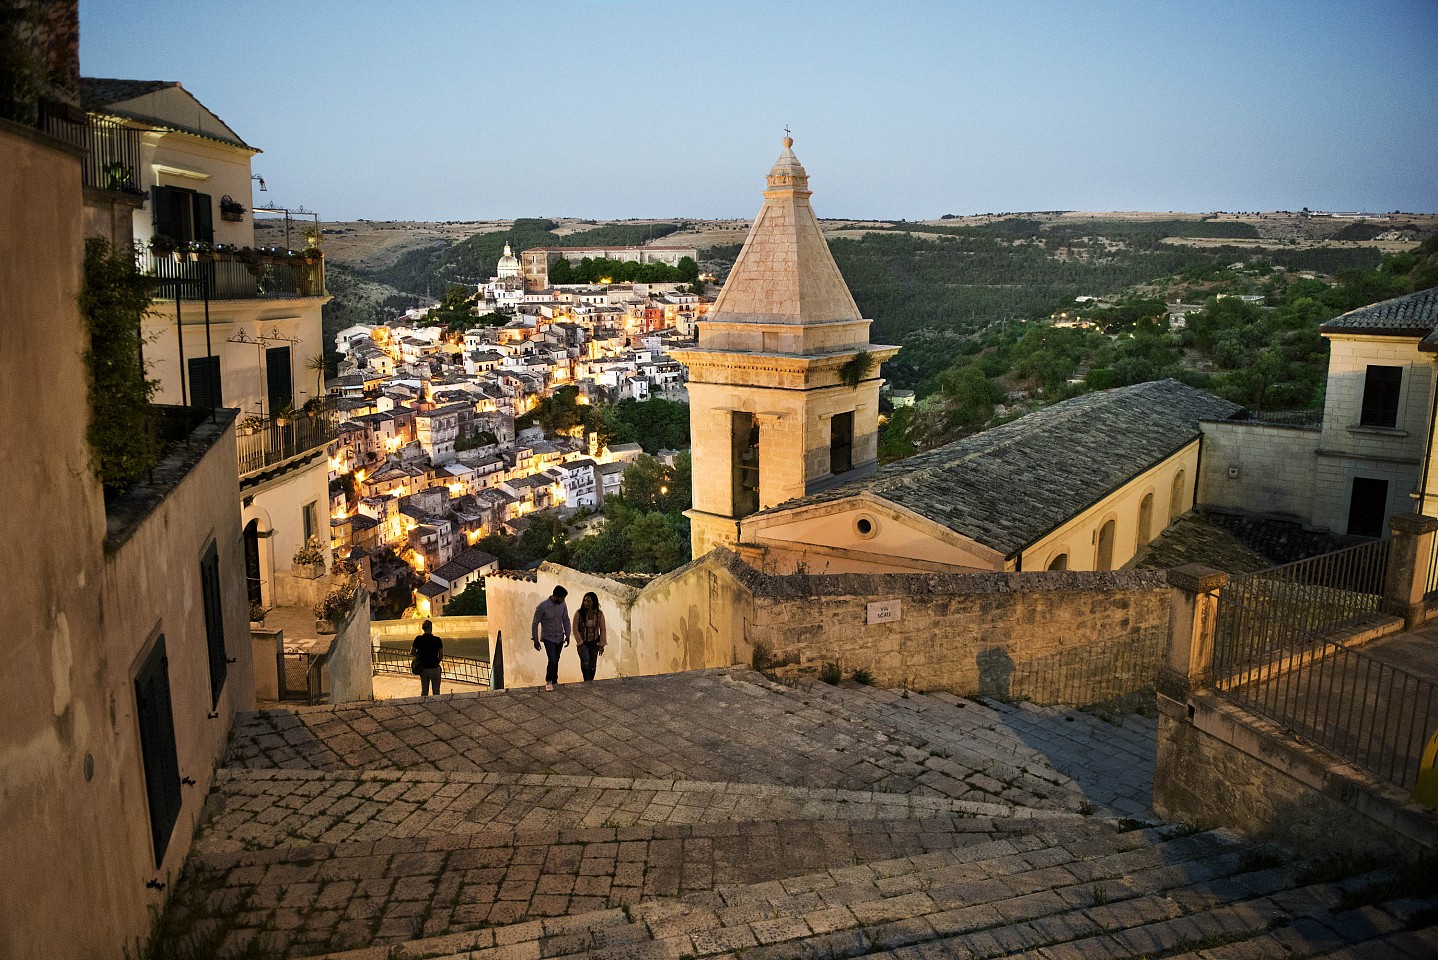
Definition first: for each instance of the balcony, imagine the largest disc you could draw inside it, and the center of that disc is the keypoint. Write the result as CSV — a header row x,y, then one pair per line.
x,y
234,275
112,150
270,449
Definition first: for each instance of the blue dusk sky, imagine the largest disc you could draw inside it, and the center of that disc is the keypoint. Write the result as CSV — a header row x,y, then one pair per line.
x,y
449,110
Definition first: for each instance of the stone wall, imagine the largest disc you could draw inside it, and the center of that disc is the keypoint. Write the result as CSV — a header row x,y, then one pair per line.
x,y
350,667
1220,767
1071,637
685,620
1068,637
1274,468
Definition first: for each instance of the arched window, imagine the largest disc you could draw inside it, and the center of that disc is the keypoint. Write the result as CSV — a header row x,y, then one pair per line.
x,y
1060,562
1104,559
1145,521
1176,504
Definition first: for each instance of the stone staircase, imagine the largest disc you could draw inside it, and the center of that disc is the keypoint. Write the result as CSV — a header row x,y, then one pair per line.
x,y
720,814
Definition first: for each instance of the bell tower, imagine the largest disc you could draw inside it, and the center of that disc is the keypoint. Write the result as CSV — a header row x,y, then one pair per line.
x,y
784,383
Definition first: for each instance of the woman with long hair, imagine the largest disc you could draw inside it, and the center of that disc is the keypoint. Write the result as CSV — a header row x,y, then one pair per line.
x,y
589,635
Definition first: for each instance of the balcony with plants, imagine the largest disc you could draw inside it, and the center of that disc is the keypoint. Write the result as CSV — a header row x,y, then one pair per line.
x,y
271,446
198,270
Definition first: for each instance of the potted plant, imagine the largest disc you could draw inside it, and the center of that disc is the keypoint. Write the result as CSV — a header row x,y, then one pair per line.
x,y
161,245
257,614
336,605
309,560
231,209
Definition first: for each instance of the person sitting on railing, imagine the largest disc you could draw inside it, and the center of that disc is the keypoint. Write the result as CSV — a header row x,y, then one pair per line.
x,y
428,651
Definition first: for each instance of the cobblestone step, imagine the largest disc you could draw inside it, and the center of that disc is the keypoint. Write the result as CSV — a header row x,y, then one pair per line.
x,y
723,726
298,897
254,810
956,756
1230,913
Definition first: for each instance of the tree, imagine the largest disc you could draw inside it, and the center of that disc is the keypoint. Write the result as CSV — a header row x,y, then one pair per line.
x,y
319,366
472,602
686,270
655,545
561,271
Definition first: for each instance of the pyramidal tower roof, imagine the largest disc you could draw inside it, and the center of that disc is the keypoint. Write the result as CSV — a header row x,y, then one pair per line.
x,y
785,272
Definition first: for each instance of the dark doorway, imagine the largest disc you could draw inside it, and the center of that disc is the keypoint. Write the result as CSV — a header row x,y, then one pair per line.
x,y
1368,507
252,562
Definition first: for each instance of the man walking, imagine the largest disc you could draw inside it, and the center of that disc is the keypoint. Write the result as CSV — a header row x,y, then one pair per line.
x,y
551,624
430,651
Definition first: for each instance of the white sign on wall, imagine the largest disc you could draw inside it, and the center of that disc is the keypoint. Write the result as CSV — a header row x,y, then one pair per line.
x,y
885,611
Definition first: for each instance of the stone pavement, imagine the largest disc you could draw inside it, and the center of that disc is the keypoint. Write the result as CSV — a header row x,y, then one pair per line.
x,y
720,814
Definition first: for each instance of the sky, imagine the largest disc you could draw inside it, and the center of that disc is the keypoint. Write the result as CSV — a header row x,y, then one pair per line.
x,y
610,109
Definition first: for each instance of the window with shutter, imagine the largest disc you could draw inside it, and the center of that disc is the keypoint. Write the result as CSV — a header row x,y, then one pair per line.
x,y
278,378
205,392
202,215
214,622
1381,387
157,747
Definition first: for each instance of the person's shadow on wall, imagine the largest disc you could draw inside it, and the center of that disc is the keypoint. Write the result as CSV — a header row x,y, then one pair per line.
x,y
996,672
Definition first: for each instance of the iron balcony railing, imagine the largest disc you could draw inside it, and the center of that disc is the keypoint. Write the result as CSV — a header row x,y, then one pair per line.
x,y
274,443
458,669
233,276
112,150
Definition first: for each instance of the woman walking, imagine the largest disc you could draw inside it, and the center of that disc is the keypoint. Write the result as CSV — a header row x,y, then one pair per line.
x,y
589,634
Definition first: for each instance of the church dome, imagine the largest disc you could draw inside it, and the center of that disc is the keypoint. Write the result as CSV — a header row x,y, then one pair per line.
x,y
508,264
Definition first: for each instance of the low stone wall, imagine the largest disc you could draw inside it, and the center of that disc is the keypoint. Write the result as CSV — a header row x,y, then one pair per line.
x,y
349,669
406,630
1076,638
1222,767
1070,637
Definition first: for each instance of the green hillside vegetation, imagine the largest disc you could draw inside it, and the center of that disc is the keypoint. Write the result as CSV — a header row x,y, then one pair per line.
x,y
1267,355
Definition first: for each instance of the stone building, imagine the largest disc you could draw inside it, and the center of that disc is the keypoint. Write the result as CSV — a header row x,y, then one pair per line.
x,y
1082,485
536,261
784,383
1369,457
127,642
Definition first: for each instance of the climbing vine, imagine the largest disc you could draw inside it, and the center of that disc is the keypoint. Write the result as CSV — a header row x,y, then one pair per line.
x,y
122,434
857,368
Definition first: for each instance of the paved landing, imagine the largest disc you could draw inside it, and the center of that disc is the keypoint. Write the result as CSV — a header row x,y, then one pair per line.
x,y
719,814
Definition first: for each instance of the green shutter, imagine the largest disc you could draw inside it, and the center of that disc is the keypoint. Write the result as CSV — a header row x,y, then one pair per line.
x,y
279,379
157,747
204,218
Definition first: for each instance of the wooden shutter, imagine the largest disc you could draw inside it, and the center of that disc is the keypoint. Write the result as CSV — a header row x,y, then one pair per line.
x,y
205,392
204,218
278,379
157,747
214,622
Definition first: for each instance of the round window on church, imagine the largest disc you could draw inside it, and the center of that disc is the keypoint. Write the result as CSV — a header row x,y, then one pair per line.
x,y
865,526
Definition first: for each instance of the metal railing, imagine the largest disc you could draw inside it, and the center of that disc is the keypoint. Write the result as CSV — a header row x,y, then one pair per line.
x,y
1281,651
1368,712
1297,601
277,442
1306,419
458,669
229,276
112,150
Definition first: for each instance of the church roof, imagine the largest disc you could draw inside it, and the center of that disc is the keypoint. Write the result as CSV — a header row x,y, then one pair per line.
x,y
785,272
1007,487
1414,315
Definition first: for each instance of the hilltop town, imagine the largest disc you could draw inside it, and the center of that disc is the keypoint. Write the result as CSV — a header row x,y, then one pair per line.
x,y
427,458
